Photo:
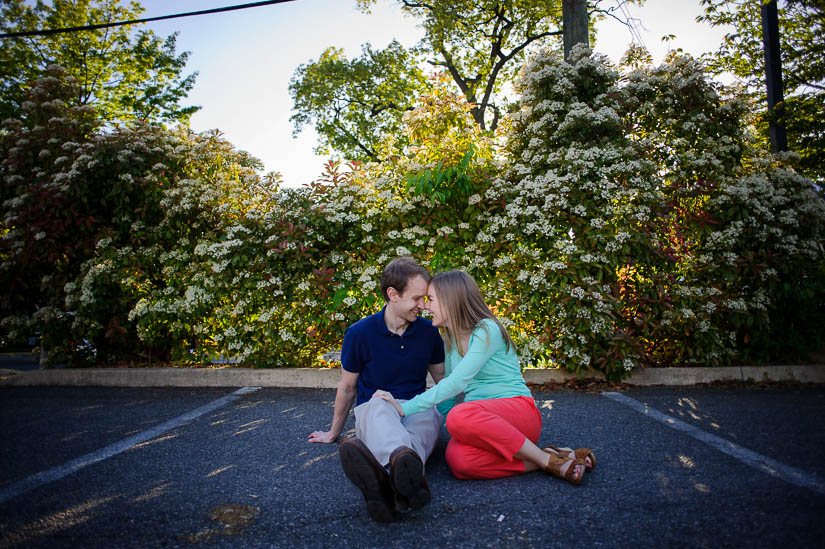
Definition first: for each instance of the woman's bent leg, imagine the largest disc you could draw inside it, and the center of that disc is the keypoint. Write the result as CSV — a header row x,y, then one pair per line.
x,y
469,462
487,434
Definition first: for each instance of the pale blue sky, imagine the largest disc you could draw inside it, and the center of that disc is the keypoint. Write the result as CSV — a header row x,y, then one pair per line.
x,y
246,59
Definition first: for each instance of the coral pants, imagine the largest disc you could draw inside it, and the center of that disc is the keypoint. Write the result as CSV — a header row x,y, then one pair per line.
x,y
486,434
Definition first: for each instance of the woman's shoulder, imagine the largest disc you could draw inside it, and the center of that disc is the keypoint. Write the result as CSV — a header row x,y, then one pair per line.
x,y
488,322
488,329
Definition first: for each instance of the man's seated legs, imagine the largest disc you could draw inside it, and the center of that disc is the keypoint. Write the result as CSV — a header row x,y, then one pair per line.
x,y
370,477
378,425
401,444
423,428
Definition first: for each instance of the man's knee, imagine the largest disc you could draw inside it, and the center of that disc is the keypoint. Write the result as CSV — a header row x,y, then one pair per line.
x,y
377,410
376,404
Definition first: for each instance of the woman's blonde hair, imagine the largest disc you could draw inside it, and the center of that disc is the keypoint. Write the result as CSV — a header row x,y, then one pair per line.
x,y
462,307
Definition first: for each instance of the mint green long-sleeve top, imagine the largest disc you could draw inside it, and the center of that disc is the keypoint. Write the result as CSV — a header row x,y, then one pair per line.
x,y
488,370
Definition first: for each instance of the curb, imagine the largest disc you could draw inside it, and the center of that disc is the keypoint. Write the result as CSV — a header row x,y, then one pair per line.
x,y
328,378
678,377
309,378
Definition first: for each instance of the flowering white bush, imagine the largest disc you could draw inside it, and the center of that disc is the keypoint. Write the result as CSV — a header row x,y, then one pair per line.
x,y
577,195
624,223
82,226
419,202
273,279
64,193
620,194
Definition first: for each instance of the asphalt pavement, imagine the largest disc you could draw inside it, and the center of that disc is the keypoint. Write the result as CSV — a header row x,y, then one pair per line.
x,y
210,467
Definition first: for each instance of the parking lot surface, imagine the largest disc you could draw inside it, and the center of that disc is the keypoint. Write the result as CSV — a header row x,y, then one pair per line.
x,y
172,467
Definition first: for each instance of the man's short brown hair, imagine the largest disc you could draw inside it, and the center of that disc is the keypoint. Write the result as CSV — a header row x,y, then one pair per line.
x,y
399,272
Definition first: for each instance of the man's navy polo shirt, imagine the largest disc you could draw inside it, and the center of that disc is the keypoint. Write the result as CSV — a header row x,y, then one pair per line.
x,y
384,360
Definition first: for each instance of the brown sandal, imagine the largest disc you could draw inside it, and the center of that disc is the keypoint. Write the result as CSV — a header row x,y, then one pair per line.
x,y
565,468
579,453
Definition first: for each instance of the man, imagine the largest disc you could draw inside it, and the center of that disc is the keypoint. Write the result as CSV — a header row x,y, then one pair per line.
x,y
391,350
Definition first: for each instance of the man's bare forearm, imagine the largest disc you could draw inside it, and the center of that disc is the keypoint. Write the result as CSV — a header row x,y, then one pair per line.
x,y
344,398
437,371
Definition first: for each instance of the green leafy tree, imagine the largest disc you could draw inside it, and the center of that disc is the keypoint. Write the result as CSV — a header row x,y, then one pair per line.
x,y
801,25
126,74
480,44
86,222
352,103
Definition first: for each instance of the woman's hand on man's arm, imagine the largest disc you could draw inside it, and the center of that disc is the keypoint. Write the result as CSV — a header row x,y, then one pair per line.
x,y
384,395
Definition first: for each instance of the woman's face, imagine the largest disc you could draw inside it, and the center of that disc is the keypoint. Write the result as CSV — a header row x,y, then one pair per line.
x,y
434,307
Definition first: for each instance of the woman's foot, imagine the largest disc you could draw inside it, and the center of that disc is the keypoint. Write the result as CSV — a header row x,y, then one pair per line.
x,y
579,453
569,469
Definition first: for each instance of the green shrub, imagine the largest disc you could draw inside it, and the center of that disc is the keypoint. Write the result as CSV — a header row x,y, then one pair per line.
x,y
619,221
629,231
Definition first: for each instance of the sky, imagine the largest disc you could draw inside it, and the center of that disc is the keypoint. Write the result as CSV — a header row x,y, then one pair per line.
x,y
245,60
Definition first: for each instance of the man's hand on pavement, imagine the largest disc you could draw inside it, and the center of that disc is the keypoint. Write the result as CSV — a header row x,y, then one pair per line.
x,y
322,436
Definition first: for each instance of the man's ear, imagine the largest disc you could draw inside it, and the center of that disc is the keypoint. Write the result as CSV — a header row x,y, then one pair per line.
x,y
392,293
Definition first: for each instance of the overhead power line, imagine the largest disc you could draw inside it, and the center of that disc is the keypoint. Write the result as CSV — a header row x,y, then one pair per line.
x,y
47,32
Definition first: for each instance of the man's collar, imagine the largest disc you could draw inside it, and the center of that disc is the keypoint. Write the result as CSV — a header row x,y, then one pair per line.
x,y
383,324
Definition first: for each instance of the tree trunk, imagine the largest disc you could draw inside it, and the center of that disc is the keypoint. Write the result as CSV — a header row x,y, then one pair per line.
x,y
574,24
773,76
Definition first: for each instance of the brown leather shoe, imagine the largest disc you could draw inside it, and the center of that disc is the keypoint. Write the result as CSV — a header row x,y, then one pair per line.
x,y
370,477
407,477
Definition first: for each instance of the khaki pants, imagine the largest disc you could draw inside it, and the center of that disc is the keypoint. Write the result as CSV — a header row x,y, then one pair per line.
x,y
382,429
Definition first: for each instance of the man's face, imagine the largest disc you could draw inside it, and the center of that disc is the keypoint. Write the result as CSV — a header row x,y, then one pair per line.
x,y
407,305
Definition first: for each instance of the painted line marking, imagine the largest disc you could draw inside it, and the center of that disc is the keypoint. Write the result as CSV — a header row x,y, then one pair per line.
x,y
39,479
757,461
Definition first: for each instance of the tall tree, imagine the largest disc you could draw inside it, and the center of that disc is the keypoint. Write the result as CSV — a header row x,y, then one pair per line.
x,y
801,26
123,72
480,44
354,102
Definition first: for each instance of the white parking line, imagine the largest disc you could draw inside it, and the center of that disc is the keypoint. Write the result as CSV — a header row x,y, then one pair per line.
x,y
757,461
39,479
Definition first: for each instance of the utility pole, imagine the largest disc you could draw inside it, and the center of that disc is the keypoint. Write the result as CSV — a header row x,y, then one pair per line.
x,y
574,24
773,76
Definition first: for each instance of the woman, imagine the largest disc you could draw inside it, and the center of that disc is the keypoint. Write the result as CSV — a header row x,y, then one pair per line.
x,y
495,430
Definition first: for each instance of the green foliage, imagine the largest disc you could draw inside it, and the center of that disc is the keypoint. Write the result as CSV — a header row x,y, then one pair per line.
x,y
801,25
617,236
481,44
443,138
622,224
125,74
441,183
375,211
82,217
353,103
